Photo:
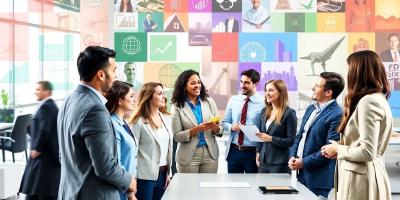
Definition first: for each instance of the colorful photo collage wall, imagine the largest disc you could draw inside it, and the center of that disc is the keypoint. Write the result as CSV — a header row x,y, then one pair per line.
x,y
292,40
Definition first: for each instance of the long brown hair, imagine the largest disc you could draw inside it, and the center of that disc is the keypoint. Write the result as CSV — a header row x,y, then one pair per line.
x,y
283,100
143,107
366,75
121,6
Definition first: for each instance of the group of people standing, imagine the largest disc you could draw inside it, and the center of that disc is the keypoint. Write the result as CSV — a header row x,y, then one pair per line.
x,y
110,149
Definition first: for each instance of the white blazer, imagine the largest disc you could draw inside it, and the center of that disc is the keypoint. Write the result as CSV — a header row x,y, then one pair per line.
x,y
149,151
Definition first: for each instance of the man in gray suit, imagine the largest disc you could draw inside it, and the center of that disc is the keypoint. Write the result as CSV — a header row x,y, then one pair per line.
x,y
88,149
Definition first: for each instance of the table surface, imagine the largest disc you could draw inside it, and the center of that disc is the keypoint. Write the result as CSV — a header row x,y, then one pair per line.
x,y
187,186
5,126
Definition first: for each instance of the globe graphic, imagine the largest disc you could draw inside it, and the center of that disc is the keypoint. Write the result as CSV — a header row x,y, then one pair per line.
x,y
131,45
252,52
168,74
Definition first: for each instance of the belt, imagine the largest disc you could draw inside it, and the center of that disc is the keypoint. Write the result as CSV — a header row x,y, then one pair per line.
x,y
244,148
163,168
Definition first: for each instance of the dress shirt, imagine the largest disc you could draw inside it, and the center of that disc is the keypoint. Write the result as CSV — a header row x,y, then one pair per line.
x,y
234,110
163,139
316,112
395,56
230,25
196,109
256,16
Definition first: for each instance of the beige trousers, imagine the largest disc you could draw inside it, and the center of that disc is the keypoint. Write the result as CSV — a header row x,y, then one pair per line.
x,y
202,162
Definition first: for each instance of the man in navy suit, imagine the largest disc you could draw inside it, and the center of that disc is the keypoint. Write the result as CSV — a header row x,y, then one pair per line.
x,y
149,24
43,165
318,126
231,25
393,53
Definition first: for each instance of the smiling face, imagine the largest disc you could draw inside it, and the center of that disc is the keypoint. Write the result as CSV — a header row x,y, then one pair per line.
x,y
247,87
256,4
319,93
193,86
394,42
271,93
158,98
126,103
41,93
130,72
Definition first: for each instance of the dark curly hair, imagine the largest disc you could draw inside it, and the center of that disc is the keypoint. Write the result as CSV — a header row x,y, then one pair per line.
x,y
179,94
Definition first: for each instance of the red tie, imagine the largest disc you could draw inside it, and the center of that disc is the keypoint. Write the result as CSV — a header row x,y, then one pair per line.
x,y
243,120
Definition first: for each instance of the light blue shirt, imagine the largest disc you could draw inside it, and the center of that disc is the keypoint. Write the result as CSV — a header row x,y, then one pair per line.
x,y
196,109
101,97
234,110
256,16
126,147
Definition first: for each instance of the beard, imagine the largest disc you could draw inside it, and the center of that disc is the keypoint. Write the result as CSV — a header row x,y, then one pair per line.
x,y
245,91
107,84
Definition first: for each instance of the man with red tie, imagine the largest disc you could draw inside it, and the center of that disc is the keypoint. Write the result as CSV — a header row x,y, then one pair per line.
x,y
243,109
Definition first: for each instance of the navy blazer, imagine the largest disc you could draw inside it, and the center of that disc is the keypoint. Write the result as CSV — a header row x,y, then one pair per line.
x,y
318,171
386,55
45,169
283,135
147,26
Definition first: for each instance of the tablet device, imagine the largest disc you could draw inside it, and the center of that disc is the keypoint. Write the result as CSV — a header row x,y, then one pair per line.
x,y
278,190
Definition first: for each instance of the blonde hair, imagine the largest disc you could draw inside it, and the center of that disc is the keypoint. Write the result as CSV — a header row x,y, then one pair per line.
x,y
283,101
143,105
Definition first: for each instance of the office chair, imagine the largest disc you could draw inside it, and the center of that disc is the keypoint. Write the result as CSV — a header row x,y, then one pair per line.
x,y
16,142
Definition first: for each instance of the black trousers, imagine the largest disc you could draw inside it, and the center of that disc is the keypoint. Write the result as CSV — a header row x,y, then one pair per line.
x,y
36,197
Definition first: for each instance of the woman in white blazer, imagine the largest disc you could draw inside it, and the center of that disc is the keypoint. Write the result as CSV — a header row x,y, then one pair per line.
x,y
365,132
151,126
194,131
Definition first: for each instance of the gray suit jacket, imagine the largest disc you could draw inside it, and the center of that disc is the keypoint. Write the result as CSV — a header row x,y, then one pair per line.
x,y
183,120
88,150
149,151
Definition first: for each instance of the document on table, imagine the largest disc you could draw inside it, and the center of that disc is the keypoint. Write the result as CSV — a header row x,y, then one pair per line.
x,y
224,184
250,131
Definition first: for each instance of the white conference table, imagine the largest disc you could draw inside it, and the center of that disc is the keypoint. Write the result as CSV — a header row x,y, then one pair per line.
x,y
187,186
5,126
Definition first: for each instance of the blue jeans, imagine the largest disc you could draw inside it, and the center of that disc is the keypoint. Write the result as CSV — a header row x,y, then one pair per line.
x,y
151,190
241,161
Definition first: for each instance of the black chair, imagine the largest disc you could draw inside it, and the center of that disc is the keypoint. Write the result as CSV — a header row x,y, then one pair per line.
x,y
16,142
